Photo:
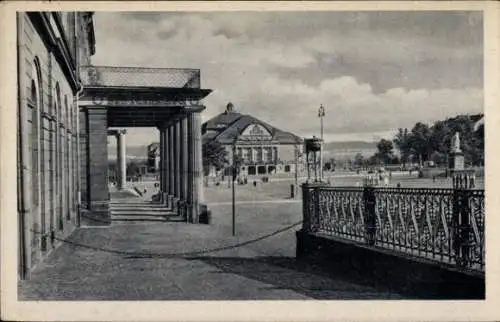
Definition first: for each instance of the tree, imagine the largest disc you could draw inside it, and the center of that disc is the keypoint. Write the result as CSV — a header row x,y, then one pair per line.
x,y
214,155
330,165
384,152
419,141
132,169
359,160
402,142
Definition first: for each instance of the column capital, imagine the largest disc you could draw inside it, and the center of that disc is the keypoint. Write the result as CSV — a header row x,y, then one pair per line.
x,y
194,109
163,125
117,132
93,108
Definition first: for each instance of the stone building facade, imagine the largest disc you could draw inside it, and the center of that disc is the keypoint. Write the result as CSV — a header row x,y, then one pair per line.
x,y
51,47
263,148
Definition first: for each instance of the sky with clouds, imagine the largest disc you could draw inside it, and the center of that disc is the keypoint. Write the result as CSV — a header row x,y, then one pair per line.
x,y
373,71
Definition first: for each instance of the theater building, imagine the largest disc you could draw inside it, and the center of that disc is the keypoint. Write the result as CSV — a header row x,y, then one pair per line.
x,y
263,148
51,47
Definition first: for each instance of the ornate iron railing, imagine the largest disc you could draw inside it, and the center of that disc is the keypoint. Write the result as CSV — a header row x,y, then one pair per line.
x,y
442,225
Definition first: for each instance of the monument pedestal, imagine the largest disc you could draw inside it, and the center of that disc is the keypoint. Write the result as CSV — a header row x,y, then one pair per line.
x,y
456,161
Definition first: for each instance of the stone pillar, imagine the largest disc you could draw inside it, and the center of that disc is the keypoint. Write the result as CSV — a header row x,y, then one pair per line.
x,y
166,165
184,164
97,187
171,152
177,153
181,157
195,165
161,168
122,158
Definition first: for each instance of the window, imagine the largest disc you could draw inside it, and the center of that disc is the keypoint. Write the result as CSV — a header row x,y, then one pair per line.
x,y
36,101
259,155
269,154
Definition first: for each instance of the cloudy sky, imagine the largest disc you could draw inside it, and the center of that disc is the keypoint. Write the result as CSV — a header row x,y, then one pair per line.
x,y
373,71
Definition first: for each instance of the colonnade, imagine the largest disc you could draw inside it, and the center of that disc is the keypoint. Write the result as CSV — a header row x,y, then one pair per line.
x,y
181,165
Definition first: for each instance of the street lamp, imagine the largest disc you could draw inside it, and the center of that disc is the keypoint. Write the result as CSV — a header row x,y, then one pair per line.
x,y
296,189
234,174
321,115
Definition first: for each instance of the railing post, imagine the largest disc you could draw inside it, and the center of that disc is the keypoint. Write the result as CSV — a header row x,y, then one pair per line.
x,y
462,222
317,211
306,202
369,213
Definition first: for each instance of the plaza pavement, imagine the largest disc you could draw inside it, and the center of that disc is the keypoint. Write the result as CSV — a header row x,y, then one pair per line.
x,y
162,261
178,261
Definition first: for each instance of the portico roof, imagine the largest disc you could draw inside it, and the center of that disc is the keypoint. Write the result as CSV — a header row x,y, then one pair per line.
x,y
146,97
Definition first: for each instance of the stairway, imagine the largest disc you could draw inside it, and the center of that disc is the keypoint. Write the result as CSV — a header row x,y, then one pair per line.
x,y
137,210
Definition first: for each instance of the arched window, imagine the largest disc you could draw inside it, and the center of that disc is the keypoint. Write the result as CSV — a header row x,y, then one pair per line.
x,y
67,158
36,104
60,152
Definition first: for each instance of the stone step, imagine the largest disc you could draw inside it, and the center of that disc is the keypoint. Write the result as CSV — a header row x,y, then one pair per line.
x,y
145,217
146,209
162,212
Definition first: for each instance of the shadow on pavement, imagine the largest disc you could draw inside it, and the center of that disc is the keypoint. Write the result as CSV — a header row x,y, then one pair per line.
x,y
298,276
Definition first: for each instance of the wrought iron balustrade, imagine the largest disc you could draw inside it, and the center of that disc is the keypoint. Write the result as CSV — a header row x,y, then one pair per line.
x,y
443,225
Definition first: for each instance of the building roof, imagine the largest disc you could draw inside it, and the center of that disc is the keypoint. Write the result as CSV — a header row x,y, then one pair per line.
x,y
227,126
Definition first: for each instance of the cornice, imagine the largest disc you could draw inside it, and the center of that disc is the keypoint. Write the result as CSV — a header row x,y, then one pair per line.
x,y
41,22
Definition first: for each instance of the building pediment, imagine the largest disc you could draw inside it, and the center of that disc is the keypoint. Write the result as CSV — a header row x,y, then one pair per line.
x,y
256,132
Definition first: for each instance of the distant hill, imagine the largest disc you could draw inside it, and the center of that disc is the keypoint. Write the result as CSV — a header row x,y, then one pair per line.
x,y
340,150
133,152
348,149
350,145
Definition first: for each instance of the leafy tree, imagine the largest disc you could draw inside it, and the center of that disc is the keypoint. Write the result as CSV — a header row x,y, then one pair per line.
x,y
420,141
384,152
426,142
132,169
402,142
374,160
359,160
214,154
330,165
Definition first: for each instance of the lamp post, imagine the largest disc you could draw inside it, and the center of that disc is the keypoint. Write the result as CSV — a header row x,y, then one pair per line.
x,y
233,175
297,152
321,115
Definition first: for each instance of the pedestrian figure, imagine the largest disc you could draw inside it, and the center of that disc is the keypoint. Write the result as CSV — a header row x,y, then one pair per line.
x,y
255,183
398,185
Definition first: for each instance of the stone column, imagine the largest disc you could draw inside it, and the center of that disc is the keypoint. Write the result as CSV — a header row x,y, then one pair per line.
x,y
164,154
195,166
177,153
161,168
122,158
97,187
184,163
171,152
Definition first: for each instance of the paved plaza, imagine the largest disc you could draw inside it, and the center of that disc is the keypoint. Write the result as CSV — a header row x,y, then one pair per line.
x,y
152,261
179,261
